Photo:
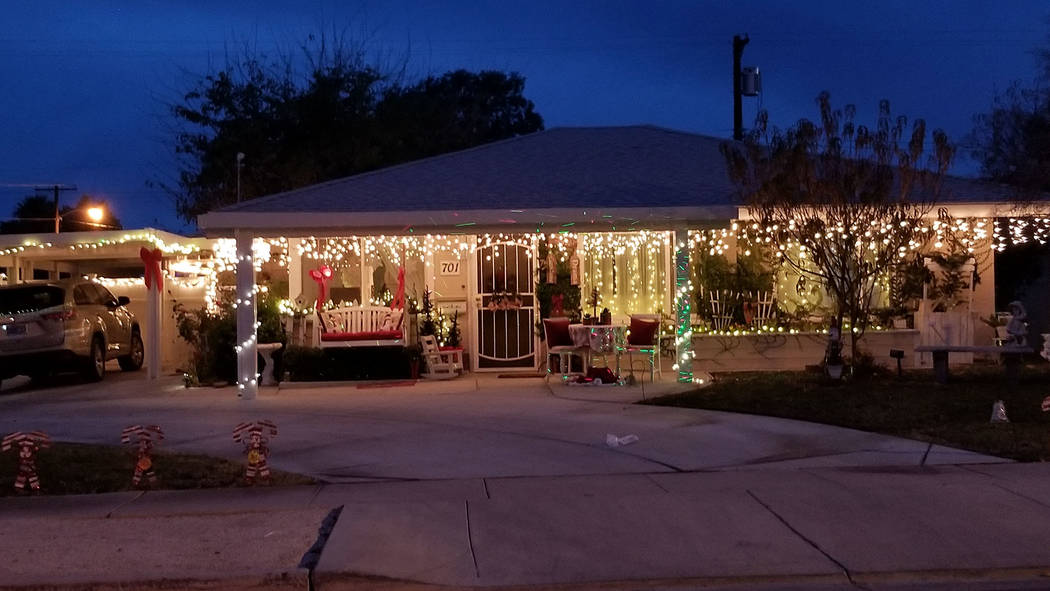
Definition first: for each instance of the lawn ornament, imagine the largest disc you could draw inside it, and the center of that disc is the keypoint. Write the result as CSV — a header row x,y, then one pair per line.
x,y
252,436
28,445
143,438
999,412
1017,327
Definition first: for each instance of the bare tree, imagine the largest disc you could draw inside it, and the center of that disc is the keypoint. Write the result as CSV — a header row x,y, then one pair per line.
x,y
844,203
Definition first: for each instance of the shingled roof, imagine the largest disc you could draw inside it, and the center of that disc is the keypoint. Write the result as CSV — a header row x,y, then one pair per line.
x,y
619,177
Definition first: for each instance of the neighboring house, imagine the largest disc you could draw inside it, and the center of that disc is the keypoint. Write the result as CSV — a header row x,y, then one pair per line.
x,y
470,226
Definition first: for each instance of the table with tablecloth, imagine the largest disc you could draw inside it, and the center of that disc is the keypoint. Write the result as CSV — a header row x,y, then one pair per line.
x,y
601,339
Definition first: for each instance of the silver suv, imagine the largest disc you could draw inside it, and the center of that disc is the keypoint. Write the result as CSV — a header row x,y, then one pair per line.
x,y
62,325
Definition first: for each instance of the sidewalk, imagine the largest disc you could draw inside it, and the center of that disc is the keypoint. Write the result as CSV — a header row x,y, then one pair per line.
x,y
980,526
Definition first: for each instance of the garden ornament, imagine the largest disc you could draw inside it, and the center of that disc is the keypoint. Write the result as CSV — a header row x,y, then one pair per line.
x,y
321,275
152,259
28,445
143,438
999,413
1017,327
251,435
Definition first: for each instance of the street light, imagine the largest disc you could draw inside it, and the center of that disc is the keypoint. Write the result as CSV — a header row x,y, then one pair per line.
x,y
96,213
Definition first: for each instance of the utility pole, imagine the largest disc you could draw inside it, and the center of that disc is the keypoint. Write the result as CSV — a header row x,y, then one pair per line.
x,y
56,188
240,165
738,109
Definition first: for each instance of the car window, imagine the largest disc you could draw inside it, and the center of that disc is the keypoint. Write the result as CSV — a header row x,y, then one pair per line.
x,y
19,300
105,297
82,297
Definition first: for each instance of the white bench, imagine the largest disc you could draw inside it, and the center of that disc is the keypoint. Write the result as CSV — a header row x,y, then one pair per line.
x,y
360,326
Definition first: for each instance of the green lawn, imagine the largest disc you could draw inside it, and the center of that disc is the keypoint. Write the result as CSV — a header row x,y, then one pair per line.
x,y
74,468
956,414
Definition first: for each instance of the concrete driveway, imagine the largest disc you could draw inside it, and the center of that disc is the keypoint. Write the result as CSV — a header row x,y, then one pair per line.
x,y
477,426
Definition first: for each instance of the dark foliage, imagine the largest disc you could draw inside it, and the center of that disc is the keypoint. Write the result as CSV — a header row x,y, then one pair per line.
x,y
308,364
340,118
36,214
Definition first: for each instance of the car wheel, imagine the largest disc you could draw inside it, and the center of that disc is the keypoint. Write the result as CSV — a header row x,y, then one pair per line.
x,y
133,360
95,365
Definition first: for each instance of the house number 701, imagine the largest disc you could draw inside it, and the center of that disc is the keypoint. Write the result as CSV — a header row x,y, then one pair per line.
x,y
450,267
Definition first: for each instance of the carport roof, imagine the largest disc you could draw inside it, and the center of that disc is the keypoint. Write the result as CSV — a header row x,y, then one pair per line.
x,y
598,178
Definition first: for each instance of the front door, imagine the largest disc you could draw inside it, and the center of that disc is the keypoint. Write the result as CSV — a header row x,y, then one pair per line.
x,y
506,310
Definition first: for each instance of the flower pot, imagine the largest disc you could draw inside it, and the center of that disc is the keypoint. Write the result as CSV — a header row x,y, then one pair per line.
x,y
835,371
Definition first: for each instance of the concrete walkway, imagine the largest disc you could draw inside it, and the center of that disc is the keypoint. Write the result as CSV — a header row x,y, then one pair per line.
x,y
479,426
496,482
950,527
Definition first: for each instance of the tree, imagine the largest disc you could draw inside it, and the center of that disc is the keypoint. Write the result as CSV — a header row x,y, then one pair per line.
x,y
339,118
1012,140
842,202
35,214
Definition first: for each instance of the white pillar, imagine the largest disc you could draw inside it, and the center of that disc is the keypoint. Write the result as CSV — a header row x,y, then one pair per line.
x,y
247,359
153,320
683,296
295,269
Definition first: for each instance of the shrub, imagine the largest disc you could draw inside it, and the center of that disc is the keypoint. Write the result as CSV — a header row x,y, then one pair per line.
x,y
307,364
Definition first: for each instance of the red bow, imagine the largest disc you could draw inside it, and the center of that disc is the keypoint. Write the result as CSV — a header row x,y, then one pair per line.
x,y
557,301
398,303
321,276
152,261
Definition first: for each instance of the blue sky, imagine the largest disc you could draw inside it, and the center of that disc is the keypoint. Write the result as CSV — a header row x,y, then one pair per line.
x,y
83,84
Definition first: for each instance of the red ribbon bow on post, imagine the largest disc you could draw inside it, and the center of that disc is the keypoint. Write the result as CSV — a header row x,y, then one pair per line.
x,y
152,259
321,276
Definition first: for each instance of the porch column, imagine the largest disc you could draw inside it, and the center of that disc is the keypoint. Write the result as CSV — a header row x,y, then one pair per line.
x,y
295,269
154,322
683,294
244,302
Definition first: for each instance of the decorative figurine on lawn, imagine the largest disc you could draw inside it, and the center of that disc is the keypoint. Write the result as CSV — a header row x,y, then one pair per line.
x,y
144,438
1017,327
251,435
28,444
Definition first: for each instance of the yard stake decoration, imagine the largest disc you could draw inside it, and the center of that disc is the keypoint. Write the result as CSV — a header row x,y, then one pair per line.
x,y
252,436
28,444
144,438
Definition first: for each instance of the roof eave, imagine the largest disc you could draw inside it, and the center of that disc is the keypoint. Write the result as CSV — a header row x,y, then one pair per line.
x,y
576,219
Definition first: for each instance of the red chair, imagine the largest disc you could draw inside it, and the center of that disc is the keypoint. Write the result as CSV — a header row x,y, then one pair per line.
x,y
643,338
560,343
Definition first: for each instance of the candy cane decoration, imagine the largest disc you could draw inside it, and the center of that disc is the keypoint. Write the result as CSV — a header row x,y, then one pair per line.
x,y
28,444
251,435
144,438
152,274
321,276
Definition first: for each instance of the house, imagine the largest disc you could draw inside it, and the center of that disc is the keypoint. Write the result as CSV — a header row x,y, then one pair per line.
x,y
628,205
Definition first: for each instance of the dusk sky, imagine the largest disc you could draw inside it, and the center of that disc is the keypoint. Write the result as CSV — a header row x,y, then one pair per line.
x,y
83,85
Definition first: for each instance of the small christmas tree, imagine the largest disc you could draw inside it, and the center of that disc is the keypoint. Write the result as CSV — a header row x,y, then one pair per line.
x,y
453,331
428,327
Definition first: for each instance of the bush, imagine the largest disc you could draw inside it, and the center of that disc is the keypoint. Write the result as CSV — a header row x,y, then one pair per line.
x,y
213,336
307,364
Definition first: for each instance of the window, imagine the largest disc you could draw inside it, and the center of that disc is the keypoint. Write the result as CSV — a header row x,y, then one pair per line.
x,y
81,296
19,300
